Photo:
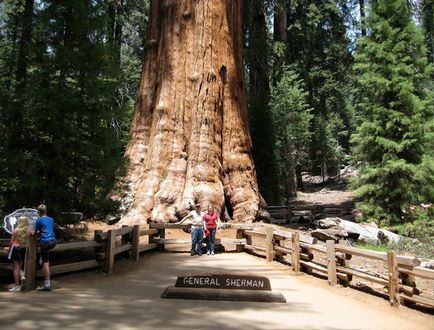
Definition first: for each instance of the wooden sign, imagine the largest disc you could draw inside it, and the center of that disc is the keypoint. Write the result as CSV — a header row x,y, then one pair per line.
x,y
229,287
224,281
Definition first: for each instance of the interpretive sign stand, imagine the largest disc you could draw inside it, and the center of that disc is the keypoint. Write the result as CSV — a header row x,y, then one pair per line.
x,y
231,287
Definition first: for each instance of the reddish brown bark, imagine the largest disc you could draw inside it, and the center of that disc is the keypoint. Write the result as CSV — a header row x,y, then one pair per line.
x,y
189,139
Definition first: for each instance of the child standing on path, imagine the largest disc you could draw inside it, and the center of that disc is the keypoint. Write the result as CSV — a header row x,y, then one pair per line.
x,y
17,251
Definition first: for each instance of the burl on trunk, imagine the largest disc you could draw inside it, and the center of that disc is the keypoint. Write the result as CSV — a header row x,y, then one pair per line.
x,y
189,139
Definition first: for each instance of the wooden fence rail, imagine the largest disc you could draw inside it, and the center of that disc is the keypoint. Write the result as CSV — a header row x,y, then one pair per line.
x,y
106,245
402,270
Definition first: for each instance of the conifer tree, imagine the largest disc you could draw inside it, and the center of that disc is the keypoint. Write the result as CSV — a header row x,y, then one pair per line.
x,y
391,139
293,115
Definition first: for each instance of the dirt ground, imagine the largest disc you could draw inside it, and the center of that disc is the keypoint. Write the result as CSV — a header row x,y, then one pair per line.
x,y
130,299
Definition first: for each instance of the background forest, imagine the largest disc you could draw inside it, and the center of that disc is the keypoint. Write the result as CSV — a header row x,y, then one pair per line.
x,y
330,83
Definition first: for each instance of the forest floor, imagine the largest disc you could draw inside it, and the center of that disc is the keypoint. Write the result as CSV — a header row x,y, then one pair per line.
x,y
329,192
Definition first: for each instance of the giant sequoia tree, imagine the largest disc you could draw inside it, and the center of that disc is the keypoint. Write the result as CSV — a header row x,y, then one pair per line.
x,y
189,137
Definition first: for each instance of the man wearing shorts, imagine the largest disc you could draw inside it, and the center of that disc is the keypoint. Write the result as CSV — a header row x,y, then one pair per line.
x,y
47,241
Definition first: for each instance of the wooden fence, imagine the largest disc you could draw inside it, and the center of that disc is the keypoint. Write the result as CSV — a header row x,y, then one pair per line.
x,y
401,270
273,244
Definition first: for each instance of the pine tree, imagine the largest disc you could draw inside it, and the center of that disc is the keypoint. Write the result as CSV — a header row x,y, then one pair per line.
x,y
290,109
75,91
391,138
318,48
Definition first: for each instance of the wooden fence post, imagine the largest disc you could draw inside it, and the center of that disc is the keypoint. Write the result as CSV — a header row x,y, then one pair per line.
x,y
269,244
162,234
125,239
240,247
135,243
392,265
331,262
30,264
110,250
99,251
248,240
295,240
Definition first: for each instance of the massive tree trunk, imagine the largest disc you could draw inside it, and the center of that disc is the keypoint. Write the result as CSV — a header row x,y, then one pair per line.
x,y
189,138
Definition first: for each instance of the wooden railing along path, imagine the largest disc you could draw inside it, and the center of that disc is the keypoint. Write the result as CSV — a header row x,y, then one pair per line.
x,y
269,242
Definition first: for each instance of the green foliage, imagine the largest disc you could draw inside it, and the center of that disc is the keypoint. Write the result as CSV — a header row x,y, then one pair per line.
x,y
68,123
319,49
293,115
373,247
418,231
391,139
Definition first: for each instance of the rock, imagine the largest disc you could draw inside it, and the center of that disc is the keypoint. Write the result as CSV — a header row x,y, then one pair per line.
x,y
427,264
327,223
329,234
265,216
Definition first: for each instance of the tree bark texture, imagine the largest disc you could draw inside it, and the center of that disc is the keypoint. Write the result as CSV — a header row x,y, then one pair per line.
x,y
362,17
280,22
189,140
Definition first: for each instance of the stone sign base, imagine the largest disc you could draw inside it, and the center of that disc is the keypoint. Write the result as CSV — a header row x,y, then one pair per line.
x,y
230,287
222,294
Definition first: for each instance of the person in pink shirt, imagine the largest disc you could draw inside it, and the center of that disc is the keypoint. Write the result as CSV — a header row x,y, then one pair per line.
x,y
211,219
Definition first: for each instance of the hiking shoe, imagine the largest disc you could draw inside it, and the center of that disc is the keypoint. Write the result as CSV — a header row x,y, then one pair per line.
x,y
43,288
15,288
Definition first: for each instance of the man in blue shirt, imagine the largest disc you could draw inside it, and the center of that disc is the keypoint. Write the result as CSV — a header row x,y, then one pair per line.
x,y
47,241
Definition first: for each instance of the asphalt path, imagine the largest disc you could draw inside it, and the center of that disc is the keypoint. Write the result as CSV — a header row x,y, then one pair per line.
x,y
130,299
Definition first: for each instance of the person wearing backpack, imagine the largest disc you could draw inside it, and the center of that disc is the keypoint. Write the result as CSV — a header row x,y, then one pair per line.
x,y
17,251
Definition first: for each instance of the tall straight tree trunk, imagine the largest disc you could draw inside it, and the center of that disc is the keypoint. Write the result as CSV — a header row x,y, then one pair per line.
x,y
16,117
189,139
362,17
280,21
260,119
25,41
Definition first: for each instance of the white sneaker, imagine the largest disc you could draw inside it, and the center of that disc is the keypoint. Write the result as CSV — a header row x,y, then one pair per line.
x,y
212,253
15,288
208,253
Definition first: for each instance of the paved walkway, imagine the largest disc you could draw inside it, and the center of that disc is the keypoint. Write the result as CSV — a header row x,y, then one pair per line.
x,y
131,300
